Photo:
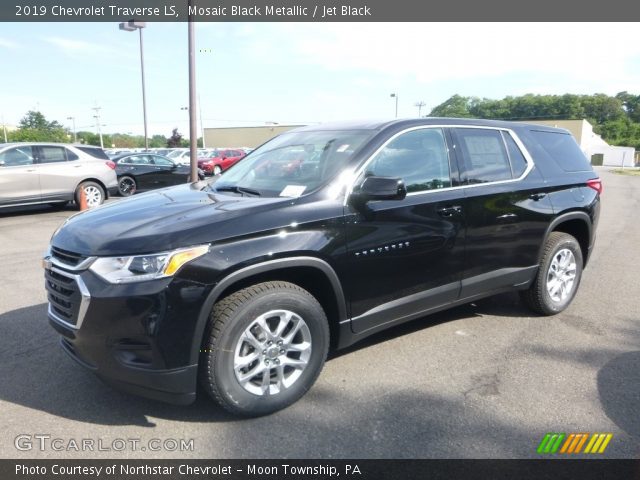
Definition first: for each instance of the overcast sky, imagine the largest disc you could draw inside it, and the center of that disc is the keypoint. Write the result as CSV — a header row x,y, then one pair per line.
x,y
291,73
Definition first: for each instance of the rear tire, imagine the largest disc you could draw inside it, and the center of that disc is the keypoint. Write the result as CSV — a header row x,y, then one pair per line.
x,y
217,170
263,348
558,277
127,186
93,193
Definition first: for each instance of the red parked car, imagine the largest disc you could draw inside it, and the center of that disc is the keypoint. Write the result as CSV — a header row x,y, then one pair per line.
x,y
219,160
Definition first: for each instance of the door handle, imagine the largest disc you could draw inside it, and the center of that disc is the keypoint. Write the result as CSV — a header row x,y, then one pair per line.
x,y
449,211
507,218
537,196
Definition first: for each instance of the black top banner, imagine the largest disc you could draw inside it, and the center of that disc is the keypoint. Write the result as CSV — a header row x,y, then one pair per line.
x,y
316,11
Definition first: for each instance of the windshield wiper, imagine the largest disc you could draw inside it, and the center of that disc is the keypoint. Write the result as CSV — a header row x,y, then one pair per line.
x,y
237,189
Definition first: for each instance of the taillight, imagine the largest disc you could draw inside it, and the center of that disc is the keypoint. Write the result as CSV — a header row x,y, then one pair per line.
x,y
111,165
596,184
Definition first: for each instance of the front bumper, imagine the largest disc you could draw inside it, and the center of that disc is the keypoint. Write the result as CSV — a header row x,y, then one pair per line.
x,y
136,337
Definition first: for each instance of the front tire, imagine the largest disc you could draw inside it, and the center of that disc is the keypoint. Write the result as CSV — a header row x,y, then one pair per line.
x,y
264,347
558,276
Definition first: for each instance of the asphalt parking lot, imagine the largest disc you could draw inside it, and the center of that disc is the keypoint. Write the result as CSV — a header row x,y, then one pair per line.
x,y
486,380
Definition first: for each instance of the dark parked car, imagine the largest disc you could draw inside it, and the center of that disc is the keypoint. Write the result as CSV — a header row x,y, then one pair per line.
x,y
138,172
321,237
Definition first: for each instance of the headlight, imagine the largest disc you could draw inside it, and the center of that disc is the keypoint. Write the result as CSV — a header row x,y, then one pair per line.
x,y
139,268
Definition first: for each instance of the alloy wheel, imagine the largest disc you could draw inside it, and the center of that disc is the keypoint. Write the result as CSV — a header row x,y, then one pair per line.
x,y
272,352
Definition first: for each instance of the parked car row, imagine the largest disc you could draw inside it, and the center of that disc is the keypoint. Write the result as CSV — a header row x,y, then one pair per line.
x,y
56,174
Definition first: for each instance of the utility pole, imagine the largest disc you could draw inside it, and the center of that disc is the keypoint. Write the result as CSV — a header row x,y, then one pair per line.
x,y
75,135
204,145
420,104
97,117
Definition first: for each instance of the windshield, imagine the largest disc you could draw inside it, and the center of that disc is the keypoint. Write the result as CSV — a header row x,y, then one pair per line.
x,y
292,164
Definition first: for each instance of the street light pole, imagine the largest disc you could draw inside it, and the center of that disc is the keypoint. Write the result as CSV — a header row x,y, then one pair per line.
x,y
144,94
420,104
75,136
130,26
395,95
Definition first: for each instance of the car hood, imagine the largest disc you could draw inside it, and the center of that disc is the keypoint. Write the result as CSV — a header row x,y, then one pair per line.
x,y
161,220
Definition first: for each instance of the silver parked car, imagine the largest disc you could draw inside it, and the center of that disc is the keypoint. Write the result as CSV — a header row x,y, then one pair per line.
x,y
54,173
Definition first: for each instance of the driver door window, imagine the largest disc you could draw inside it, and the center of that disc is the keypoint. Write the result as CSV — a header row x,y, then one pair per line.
x,y
419,157
16,157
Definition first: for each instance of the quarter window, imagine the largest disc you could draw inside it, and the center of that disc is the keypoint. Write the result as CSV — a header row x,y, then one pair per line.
x,y
71,155
518,162
419,157
484,154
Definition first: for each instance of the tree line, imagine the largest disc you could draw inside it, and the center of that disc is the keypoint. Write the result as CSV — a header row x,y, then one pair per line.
x,y
616,119
34,127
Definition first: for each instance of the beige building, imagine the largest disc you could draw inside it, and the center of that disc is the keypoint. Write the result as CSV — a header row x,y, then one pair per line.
x,y
593,146
243,136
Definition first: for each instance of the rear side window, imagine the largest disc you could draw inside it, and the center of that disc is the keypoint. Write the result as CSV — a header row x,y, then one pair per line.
x,y
94,152
484,154
562,148
165,162
52,154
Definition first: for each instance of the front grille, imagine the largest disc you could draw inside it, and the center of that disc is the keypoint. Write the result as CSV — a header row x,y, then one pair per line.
x,y
64,296
67,257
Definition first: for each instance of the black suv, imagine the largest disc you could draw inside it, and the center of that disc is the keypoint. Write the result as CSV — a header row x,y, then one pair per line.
x,y
317,239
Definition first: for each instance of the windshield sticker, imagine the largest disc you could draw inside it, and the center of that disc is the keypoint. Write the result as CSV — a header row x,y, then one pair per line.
x,y
292,190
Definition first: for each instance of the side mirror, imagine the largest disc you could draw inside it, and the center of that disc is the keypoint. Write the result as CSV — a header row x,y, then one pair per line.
x,y
380,188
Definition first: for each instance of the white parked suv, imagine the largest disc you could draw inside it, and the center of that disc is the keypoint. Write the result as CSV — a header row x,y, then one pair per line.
x,y
54,173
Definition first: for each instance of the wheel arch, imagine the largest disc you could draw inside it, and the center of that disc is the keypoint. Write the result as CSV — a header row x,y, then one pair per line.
x,y
311,273
105,190
576,224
